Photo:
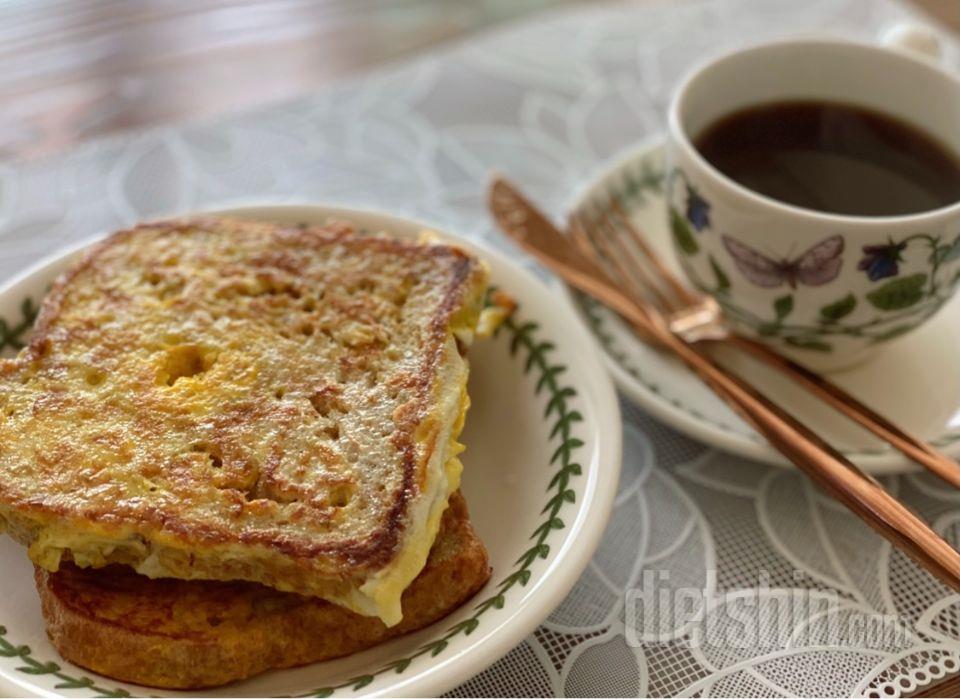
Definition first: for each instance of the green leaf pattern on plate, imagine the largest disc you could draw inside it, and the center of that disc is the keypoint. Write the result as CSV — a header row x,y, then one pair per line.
x,y
537,359
813,337
536,354
29,665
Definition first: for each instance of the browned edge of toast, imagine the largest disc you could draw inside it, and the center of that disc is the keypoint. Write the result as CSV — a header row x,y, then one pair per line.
x,y
178,634
27,515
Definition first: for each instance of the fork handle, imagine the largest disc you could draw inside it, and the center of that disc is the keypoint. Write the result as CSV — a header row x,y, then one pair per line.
x,y
913,447
825,465
861,494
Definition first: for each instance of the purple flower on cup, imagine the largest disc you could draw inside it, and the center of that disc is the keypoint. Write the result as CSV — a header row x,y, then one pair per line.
x,y
698,209
881,261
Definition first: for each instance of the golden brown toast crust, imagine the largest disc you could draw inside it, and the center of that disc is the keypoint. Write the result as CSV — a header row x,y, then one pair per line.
x,y
188,634
133,422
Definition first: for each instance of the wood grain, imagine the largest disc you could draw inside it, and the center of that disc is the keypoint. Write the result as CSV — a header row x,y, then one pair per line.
x,y
945,11
73,71
947,688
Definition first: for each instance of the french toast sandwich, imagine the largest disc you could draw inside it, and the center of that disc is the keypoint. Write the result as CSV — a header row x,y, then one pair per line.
x,y
218,399
179,634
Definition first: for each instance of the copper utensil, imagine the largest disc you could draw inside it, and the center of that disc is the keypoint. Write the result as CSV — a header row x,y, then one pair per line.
x,y
613,243
863,495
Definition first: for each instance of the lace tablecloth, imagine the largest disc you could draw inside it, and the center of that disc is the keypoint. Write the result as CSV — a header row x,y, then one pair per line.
x,y
546,102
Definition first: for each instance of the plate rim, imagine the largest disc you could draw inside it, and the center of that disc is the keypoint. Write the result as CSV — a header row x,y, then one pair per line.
x,y
598,492
711,433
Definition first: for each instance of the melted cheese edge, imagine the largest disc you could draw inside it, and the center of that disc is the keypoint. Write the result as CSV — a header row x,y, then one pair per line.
x,y
380,595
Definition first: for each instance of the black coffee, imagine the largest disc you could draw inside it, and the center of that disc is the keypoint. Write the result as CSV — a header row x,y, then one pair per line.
x,y
833,157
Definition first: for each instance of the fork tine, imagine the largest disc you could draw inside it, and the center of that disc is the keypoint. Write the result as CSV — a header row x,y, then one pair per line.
x,y
585,238
582,240
686,296
629,265
599,241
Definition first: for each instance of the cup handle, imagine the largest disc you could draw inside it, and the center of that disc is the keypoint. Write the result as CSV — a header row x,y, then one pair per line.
x,y
915,39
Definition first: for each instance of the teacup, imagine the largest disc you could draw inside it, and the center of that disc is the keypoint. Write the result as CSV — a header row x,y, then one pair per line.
x,y
830,288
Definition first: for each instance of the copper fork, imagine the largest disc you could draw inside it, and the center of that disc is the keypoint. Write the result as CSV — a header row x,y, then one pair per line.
x,y
837,475
615,244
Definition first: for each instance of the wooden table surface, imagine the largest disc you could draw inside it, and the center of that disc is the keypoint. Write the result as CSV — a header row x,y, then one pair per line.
x,y
71,71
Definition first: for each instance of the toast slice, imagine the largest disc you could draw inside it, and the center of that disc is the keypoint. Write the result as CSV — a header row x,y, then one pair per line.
x,y
180,634
228,400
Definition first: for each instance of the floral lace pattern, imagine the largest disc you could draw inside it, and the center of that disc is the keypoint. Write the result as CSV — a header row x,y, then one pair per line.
x,y
546,102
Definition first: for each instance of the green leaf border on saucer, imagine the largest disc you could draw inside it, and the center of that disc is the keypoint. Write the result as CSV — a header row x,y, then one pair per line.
x,y
634,185
637,183
536,354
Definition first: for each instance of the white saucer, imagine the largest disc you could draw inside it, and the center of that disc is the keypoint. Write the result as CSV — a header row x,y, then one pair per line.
x,y
914,381
540,474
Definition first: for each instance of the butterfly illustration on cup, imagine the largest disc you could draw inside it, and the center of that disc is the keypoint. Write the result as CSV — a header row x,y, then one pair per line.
x,y
819,265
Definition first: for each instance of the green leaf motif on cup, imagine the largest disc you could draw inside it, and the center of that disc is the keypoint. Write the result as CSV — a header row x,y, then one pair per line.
x,y
943,254
833,312
682,235
783,306
900,293
910,277
723,281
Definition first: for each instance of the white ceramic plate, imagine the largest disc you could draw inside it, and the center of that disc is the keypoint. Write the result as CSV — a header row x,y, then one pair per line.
x,y
915,381
541,468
